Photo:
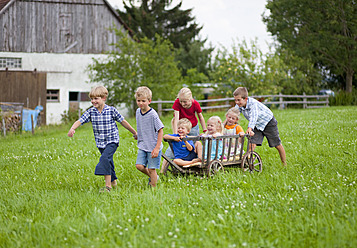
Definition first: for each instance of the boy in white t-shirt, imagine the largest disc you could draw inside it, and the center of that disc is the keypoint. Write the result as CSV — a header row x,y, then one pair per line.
x,y
150,133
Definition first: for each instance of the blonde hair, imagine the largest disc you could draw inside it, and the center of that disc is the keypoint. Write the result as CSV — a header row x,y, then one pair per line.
x,y
98,91
143,91
185,93
218,122
241,91
186,123
234,111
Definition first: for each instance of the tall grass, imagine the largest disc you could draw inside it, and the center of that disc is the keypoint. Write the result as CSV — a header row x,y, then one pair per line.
x,y
50,195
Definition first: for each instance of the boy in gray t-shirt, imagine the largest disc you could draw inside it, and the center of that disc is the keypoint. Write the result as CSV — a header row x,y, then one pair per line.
x,y
150,133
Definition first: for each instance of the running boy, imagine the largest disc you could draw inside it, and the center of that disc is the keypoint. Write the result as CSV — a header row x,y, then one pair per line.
x,y
106,134
150,133
261,122
186,152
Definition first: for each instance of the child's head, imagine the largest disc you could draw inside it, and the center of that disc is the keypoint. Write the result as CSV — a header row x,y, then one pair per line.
x,y
214,125
143,98
184,126
98,91
185,97
232,116
143,92
241,96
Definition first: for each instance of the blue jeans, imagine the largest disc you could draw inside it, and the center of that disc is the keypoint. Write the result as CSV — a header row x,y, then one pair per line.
x,y
106,163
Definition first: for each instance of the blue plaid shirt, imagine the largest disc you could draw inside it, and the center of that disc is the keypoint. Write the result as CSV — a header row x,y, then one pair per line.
x,y
104,126
256,113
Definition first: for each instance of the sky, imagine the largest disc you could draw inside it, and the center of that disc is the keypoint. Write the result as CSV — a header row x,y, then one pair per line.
x,y
226,21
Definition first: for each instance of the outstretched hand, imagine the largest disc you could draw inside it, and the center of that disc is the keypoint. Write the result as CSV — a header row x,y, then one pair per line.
x,y
71,132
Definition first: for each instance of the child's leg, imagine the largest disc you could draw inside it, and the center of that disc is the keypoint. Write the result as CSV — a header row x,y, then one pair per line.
x,y
282,154
106,165
153,177
168,154
143,169
198,149
108,179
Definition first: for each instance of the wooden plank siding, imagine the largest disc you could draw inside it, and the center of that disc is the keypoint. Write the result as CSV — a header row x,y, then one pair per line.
x,y
73,26
25,87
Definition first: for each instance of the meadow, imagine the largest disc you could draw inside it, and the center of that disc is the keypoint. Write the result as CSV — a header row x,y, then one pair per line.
x,y
50,195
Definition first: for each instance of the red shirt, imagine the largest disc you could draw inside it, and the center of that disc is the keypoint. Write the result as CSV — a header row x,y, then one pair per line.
x,y
189,113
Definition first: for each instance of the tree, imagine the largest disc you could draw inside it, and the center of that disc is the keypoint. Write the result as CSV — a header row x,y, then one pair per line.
x,y
243,67
324,31
135,64
262,74
178,26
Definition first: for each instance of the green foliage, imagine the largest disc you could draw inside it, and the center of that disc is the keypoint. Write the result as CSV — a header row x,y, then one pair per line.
x,y
71,115
323,31
50,194
343,98
263,74
135,64
151,18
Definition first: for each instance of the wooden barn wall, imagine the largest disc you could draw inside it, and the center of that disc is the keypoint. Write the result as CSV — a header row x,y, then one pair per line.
x,y
73,26
26,87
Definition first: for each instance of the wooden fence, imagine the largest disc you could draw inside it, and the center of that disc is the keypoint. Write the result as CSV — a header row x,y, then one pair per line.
x,y
281,101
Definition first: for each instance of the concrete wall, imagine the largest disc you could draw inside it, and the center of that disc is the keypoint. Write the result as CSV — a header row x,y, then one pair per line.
x,y
65,72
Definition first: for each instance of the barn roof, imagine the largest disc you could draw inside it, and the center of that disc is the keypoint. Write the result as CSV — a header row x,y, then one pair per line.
x,y
6,3
3,3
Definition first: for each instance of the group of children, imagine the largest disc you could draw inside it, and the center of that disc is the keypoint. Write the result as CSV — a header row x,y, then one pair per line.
x,y
149,131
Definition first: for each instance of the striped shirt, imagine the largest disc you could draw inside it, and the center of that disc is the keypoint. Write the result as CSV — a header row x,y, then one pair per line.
x,y
256,113
148,126
104,126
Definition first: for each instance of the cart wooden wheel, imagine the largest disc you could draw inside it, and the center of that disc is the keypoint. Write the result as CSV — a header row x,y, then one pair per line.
x,y
252,161
214,168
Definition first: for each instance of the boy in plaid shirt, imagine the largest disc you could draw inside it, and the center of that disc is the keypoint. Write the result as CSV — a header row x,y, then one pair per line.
x,y
261,122
106,134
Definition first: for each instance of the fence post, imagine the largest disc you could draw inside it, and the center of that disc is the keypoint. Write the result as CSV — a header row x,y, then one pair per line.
x,y
281,106
3,127
304,105
32,125
159,108
327,100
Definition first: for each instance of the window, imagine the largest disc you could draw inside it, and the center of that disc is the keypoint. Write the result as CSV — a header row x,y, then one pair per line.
x,y
10,62
73,96
52,95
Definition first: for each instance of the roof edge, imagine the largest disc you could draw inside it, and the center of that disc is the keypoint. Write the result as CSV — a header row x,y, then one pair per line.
x,y
131,33
7,6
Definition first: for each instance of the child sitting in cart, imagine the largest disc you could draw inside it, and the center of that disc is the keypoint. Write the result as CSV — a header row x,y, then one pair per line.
x,y
185,152
231,127
214,129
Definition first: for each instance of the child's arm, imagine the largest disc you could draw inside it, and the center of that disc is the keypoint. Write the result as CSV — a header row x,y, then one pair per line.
x,y
188,145
126,124
156,150
170,137
73,128
202,121
175,121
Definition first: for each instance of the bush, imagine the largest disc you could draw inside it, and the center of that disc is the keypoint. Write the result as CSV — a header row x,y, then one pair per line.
x,y
343,98
71,115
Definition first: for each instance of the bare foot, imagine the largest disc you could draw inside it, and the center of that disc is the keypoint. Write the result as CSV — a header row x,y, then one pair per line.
x,y
114,184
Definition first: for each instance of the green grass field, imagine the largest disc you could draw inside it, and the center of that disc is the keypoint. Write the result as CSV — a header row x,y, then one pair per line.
x,y
50,195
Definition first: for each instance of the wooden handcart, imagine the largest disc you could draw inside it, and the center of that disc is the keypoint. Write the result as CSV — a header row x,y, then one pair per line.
x,y
230,157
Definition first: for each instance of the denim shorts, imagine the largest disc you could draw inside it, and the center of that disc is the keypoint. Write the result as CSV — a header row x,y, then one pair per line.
x,y
145,159
191,156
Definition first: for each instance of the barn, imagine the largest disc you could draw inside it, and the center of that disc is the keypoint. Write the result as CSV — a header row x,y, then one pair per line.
x,y
45,48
